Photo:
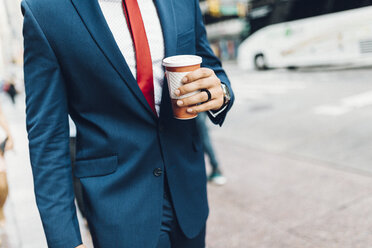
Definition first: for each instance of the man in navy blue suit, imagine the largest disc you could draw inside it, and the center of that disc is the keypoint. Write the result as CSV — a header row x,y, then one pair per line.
x,y
142,171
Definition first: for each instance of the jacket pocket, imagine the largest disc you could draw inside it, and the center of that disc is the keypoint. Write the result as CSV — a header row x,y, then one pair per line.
x,y
96,167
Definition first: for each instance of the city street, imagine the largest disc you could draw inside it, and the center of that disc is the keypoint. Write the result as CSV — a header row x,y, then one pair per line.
x,y
296,151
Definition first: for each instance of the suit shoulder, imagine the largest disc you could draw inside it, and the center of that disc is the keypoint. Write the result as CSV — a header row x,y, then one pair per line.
x,y
42,7
185,6
190,3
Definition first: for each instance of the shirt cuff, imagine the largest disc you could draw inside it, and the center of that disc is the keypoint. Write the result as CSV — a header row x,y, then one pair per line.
x,y
215,114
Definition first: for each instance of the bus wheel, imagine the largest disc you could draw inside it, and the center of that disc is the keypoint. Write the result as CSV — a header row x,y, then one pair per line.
x,y
292,68
260,62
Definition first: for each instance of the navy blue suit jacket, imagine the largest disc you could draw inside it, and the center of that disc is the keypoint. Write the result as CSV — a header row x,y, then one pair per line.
x,y
73,66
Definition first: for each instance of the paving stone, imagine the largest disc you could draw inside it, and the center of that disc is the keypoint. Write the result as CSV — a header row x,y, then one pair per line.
x,y
349,226
267,195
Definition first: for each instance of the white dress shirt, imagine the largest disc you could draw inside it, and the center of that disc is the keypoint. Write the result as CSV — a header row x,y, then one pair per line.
x,y
115,18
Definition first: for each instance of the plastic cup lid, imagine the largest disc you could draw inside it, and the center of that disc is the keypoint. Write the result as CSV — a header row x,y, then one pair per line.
x,y
182,60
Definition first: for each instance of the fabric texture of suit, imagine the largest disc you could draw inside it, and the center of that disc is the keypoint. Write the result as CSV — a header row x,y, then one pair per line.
x,y
73,66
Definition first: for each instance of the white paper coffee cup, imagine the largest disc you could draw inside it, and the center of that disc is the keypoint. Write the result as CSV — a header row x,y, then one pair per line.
x,y
177,68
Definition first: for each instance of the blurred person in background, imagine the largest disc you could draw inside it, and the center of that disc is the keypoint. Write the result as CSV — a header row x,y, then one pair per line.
x,y
142,171
215,176
9,80
10,89
5,145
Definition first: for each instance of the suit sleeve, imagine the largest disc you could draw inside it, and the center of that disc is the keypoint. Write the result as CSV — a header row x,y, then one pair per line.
x,y
204,50
48,134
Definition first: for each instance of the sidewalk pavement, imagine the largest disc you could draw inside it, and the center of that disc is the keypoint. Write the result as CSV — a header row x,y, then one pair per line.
x,y
270,200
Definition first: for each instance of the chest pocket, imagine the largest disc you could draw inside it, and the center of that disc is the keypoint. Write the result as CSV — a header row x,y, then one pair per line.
x,y
186,42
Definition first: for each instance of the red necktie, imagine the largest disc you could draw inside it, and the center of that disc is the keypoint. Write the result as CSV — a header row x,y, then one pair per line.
x,y
143,56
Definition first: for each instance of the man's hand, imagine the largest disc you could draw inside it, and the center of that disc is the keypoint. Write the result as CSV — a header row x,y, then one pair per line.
x,y
199,79
81,246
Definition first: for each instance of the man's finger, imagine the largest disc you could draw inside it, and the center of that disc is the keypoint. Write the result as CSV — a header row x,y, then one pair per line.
x,y
201,97
197,74
213,104
199,84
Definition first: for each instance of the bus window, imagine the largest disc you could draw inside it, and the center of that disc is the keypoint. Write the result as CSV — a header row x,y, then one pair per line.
x,y
268,12
300,9
341,5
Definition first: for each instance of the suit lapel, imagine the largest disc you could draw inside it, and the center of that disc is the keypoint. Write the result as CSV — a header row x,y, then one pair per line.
x,y
94,20
168,22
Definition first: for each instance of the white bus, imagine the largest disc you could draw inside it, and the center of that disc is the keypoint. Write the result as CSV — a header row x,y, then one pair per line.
x,y
325,36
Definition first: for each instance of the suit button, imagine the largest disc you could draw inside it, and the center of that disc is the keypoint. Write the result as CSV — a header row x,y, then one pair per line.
x,y
158,172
